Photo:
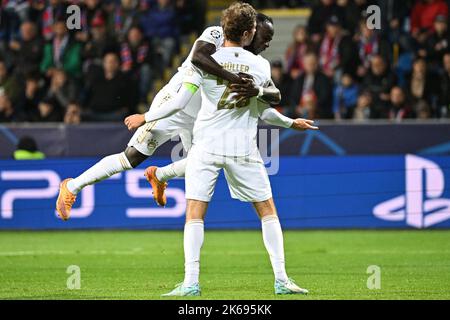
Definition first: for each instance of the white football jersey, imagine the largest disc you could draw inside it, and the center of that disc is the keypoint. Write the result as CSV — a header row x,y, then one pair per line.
x,y
225,126
213,35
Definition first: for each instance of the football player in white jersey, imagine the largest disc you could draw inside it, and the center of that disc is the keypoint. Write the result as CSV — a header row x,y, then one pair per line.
x,y
151,135
225,138
270,94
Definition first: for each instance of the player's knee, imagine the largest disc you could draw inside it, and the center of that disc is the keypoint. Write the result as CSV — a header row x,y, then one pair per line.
x,y
265,208
134,157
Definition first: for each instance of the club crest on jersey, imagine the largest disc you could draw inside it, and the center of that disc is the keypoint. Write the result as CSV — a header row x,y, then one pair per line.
x,y
215,34
152,144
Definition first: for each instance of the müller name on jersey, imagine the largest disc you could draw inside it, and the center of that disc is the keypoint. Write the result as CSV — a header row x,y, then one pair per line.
x,y
235,67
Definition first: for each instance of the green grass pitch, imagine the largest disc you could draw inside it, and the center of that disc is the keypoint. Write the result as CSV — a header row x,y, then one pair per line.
x,y
234,264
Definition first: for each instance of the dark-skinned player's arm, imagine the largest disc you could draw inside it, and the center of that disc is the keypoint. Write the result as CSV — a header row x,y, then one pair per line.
x,y
202,59
180,99
269,93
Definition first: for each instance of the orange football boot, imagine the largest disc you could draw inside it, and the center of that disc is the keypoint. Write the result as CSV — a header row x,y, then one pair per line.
x,y
157,186
65,200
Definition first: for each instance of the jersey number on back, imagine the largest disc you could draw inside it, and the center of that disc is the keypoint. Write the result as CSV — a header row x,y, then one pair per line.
x,y
225,102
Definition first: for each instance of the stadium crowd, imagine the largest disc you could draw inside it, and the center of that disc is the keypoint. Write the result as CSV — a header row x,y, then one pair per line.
x,y
100,72
338,67
335,68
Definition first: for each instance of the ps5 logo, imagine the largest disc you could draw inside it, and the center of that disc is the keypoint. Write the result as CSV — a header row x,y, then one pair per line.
x,y
422,205
88,199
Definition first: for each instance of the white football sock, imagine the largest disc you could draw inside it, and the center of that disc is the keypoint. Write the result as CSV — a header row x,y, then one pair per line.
x,y
103,169
175,169
273,240
193,241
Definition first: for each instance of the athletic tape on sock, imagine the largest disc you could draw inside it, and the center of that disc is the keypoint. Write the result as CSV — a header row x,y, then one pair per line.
x,y
269,218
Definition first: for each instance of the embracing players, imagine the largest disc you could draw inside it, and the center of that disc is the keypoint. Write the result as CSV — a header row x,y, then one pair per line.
x,y
224,138
151,135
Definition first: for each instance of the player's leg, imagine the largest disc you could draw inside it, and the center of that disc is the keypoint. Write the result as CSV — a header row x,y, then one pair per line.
x,y
143,143
248,181
273,241
177,169
193,240
180,124
272,236
102,170
185,124
201,177
107,167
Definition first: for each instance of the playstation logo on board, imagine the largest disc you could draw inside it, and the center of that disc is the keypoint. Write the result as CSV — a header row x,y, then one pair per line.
x,y
422,205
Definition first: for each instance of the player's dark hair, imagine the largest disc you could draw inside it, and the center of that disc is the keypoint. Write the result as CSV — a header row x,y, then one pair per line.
x,y
261,17
236,19
27,143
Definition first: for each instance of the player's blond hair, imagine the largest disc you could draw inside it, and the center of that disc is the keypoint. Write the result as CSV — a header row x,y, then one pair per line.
x,y
236,19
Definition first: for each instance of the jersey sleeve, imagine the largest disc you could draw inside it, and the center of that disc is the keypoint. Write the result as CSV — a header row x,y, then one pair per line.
x,y
212,35
193,75
267,73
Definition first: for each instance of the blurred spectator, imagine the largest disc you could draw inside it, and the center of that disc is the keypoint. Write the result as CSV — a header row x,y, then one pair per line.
x,y
125,16
422,110
352,12
62,52
420,84
369,43
424,13
190,16
108,96
62,90
98,44
8,112
337,52
48,111
8,83
54,11
27,150
91,10
160,25
12,13
345,98
315,84
297,50
444,92
73,114
379,81
364,107
321,12
278,3
438,42
282,81
31,96
138,59
307,108
27,52
398,108
394,14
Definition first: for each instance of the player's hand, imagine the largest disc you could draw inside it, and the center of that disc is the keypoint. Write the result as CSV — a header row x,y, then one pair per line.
x,y
241,78
245,90
303,124
245,77
134,121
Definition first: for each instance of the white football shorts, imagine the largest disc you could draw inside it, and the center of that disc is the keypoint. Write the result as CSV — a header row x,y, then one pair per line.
x,y
150,136
246,176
